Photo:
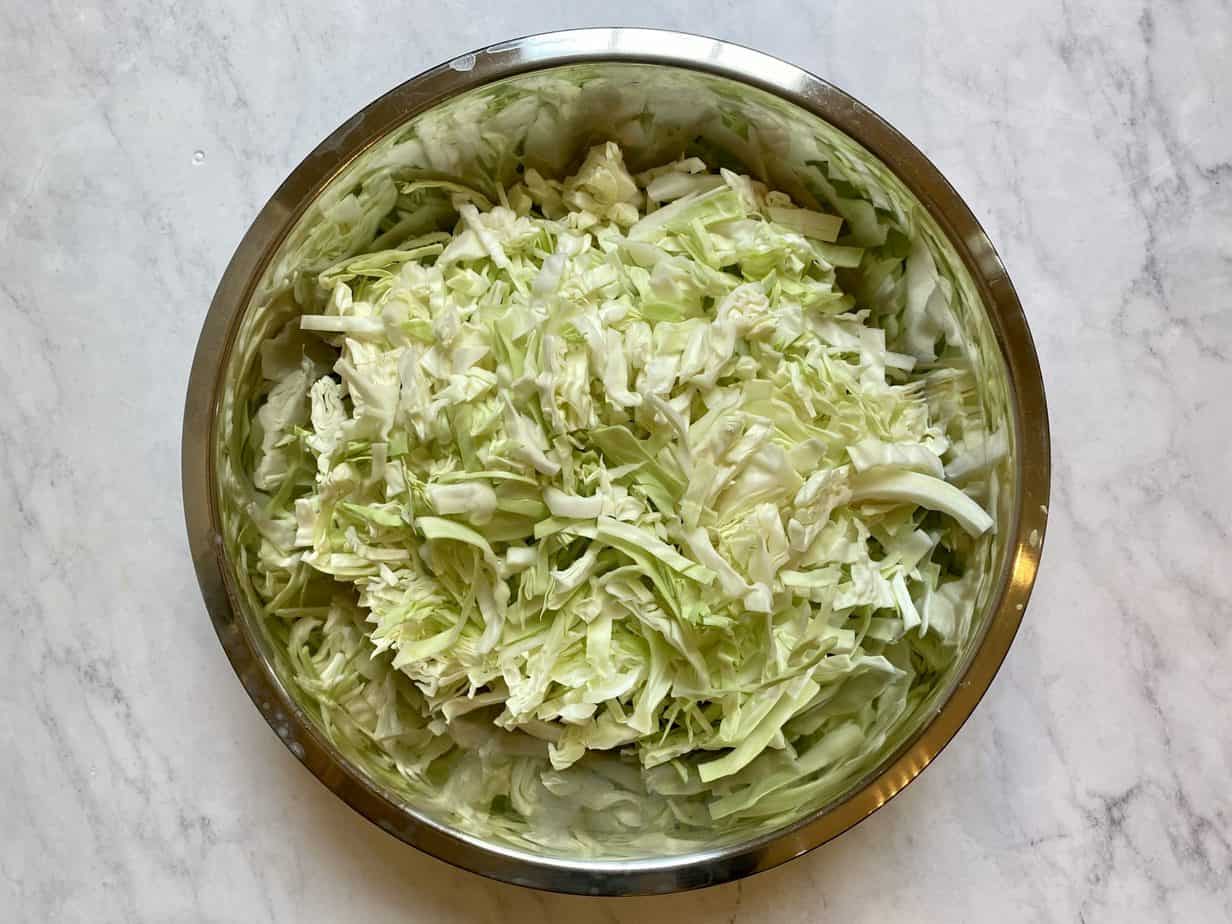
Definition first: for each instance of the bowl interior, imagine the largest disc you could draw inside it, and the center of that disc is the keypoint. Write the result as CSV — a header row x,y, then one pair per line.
x,y
546,119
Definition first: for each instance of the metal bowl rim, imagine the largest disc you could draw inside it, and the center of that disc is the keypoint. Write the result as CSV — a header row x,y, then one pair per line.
x,y
647,47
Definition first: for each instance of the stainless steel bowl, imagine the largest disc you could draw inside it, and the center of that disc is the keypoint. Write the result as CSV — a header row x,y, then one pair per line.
x,y
675,61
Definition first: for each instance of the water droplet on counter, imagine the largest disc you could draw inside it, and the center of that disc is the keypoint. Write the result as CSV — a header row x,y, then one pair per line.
x,y
198,158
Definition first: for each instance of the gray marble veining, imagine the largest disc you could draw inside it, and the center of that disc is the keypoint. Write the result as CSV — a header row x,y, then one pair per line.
x,y
1092,137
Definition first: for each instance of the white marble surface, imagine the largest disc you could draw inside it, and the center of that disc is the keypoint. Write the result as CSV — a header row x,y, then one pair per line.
x,y
1093,138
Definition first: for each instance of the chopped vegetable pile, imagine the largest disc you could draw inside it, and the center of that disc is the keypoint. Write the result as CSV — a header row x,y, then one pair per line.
x,y
609,516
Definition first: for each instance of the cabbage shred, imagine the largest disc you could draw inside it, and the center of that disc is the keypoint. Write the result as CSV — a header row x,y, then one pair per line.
x,y
609,517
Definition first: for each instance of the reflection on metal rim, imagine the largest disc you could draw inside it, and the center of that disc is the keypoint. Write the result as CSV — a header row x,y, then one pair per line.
x,y
639,46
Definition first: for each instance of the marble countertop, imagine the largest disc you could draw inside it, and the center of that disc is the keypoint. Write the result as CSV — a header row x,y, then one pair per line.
x,y
1094,140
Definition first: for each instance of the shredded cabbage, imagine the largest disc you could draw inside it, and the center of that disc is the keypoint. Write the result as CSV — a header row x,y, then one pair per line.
x,y
610,516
